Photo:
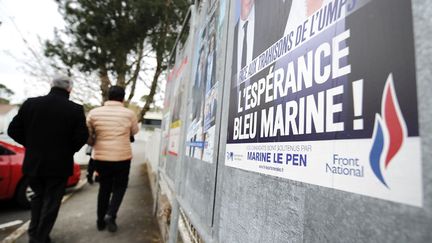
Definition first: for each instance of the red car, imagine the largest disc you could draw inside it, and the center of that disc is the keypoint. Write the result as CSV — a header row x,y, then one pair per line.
x,y
12,182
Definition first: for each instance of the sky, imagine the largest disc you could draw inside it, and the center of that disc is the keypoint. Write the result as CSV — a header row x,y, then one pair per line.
x,y
24,19
30,20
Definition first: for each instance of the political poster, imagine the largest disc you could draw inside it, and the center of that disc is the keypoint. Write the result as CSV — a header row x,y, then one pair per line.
x,y
166,121
200,138
324,92
175,85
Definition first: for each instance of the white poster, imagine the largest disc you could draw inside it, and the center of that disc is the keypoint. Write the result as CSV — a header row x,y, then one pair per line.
x,y
313,100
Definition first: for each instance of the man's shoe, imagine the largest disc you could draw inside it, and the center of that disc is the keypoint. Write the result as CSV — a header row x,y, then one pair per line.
x,y
111,224
90,179
100,225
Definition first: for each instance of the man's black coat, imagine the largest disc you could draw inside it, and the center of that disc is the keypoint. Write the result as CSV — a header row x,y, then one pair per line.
x,y
52,129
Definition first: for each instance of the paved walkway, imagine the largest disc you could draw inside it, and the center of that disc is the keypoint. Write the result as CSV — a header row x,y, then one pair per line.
x,y
77,218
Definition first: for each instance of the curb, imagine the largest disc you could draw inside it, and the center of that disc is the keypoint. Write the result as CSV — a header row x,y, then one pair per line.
x,y
21,230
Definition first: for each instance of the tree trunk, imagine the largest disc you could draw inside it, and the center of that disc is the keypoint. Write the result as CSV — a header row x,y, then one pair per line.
x,y
120,66
121,79
160,50
104,83
149,99
134,77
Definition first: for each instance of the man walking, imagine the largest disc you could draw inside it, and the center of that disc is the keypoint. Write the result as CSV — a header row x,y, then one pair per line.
x,y
112,126
52,129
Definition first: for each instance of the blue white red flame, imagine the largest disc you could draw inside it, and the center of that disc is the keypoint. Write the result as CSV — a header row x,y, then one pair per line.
x,y
388,135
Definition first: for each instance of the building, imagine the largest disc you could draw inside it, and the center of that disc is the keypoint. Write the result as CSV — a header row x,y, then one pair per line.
x,y
7,113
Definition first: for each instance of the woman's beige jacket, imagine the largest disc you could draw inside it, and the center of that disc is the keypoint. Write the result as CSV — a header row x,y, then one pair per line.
x,y
112,125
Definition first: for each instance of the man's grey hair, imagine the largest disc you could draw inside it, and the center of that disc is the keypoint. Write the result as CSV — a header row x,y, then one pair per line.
x,y
63,82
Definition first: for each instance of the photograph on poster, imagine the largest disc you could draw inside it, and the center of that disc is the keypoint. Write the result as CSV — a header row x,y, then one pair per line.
x,y
312,100
200,133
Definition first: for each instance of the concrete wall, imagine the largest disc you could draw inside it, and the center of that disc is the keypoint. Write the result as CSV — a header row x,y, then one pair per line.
x,y
152,145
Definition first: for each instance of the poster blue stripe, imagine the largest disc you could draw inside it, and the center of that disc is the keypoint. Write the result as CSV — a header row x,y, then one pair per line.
x,y
376,151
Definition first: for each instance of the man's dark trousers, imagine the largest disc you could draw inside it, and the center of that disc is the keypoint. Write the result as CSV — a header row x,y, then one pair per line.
x,y
45,206
113,181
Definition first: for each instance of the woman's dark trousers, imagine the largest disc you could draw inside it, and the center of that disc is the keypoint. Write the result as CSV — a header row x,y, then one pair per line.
x,y
114,177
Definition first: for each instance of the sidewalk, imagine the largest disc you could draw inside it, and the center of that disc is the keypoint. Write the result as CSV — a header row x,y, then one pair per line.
x,y
77,218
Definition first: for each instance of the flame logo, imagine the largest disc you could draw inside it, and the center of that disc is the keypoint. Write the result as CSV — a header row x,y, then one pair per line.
x,y
389,132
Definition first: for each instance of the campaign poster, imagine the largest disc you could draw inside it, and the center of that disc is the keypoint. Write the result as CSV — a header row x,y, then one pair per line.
x,y
200,138
324,92
176,78
166,116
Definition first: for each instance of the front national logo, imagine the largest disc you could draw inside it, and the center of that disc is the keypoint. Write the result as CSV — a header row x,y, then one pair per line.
x,y
389,132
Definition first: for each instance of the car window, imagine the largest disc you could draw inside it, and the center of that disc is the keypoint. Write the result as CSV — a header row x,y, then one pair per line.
x,y
5,151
